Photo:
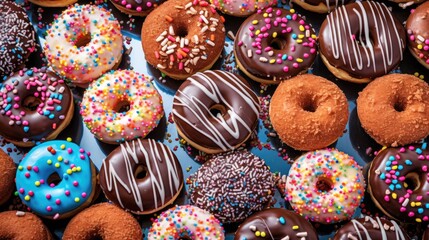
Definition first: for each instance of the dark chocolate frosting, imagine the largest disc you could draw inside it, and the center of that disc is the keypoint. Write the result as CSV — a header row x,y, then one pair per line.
x,y
371,228
275,44
123,185
33,104
363,39
399,182
232,98
275,223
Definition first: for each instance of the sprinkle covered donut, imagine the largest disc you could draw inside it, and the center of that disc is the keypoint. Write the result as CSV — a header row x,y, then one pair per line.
x,y
84,42
35,105
56,179
136,7
121,106
7,173
325,186
22,225
17,38
321,6
215,111
182,37
274,44
398,182
232,186
418,33
141,176
242,8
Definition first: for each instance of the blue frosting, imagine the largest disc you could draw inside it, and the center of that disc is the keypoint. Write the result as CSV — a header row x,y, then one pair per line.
x,y
73,166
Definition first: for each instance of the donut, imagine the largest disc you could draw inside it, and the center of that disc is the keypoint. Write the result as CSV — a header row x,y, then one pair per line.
x,y
56,179
242,8
394,109
22,225
325,186
141,176
215,111
7,175
182,37
361,41
232,186
35,105
83,42
17,38
398,182
371,228
418,34
53,3
136,7
103,221
186,222
121,106
274,44
275,223
308,112
321,6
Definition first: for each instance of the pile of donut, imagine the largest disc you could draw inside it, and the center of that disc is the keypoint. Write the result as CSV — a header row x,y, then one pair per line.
x,y
216,112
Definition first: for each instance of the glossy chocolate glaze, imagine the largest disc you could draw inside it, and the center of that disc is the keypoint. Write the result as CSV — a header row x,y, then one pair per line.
x,y
418,32
399,182
275,44
426,234
371,228
230,95
275,223
162,182
363,38
328,3
51,103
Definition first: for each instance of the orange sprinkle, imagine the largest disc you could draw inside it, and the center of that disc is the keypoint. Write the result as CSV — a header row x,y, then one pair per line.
x,y
168,18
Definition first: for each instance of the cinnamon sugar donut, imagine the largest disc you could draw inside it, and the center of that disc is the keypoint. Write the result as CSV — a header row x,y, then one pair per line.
x,y
418,33
7,177
394,109
308,112
19,225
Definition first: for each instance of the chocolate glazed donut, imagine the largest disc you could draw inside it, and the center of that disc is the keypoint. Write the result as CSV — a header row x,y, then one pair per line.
x,y
275,223
371,228
399,182
321,6
141,176
361,41
215,111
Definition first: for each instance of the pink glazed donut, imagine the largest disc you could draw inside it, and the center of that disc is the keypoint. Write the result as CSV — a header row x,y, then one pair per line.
x,y
241,8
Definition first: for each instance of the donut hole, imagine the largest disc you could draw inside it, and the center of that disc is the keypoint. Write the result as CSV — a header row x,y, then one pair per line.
x,y
278,43
31,103
218,110
83,40
309,105
54,179
399,105
181,31
122,106
412,181
140,172
324,184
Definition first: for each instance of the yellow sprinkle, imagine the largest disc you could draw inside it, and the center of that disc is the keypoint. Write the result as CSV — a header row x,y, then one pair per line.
x,y
299,60
74,169
257,32
292,10
265,15
69,139
300,36
20,168
76,199
49,162
313,36
416,74
60,158
395,167
295,227
78,169
301,28
299,40
274,34
394,195
57,165
257,233
69,171
418,220
418,204
263,234
37,183
27,198
272,61
63,146
254,22
419,46
413,204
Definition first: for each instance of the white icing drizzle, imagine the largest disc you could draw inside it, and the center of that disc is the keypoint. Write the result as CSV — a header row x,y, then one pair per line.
x,y
152,157
376,225
328,4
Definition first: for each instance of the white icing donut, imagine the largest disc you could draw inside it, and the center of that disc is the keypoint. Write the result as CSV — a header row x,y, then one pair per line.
x,y
325,186
241,8
84,42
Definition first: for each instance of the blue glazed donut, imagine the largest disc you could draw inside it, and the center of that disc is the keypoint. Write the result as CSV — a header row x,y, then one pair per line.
x,y
56,179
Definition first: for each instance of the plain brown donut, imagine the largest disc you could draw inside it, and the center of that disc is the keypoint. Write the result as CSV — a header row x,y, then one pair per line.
x,y
394,109
103,221
17,225
7,177
308,112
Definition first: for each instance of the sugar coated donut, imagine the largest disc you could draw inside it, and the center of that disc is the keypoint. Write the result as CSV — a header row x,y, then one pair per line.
x,y
274,44
121,106
325,186
103,221
215,111
182,37
418,33
394,109
242,8
84,42
136,7
275,223
56,179
35,105
371,228
141,176
7,177
22,225
308,112
17,38
321,6
361,41
53,3
232,186
186,222
398,182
